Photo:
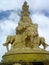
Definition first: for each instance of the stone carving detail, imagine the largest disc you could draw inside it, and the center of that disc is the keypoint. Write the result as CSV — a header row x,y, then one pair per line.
x,y
26,33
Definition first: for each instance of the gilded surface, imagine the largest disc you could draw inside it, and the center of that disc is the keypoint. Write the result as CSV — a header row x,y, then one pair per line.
x,y
25,44
26,33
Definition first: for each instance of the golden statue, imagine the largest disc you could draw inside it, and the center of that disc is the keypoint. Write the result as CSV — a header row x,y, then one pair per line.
x,y
26,32
26,41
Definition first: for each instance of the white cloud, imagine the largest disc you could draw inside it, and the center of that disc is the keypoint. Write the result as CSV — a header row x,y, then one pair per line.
x,y
14,16
6,26
34,4
39,4
10,4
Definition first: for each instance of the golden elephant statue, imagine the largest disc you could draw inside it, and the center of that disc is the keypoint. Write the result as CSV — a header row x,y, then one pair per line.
x,y
38,41
43,42
9,40
29,34
31,39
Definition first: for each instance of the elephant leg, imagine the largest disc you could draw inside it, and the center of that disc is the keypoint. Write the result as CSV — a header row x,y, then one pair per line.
x,y
31,39
44,45
7,48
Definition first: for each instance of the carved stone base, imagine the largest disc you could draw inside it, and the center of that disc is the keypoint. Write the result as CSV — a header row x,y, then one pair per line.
x,y
26,55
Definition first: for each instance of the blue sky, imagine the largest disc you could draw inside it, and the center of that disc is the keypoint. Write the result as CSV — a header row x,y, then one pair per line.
x,y
9,18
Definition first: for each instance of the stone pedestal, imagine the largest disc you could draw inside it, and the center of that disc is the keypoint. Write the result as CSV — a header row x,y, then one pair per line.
x,y
28,56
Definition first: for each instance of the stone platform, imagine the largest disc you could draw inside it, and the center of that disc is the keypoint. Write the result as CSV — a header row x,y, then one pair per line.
x,y
26,55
